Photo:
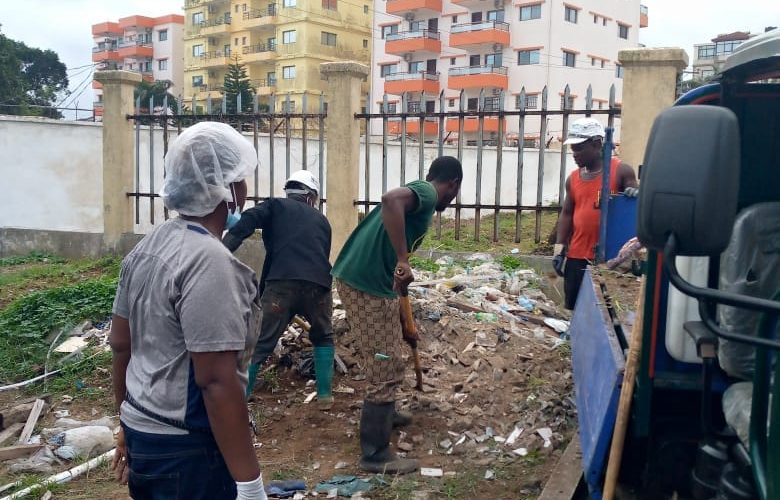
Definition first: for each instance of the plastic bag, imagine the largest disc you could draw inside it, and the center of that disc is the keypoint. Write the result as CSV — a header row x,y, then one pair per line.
x,y
736,408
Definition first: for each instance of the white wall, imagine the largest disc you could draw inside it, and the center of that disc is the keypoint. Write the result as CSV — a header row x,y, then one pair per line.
x,y
51,174
173,50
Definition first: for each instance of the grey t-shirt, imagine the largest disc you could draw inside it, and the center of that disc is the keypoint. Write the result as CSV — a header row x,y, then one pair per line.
x,y
182,291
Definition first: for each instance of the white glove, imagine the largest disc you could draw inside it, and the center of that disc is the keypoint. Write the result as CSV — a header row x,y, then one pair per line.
x,y
251,490
631,192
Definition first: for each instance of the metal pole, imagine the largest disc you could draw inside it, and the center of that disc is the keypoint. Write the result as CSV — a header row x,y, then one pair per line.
x,y
604,198
151,159
520,162
287,136
367,152
421,145
404,109
480,145
540,170
322,150
461,119
384,143
499,161
564,133
255,142
137,161
303,132
272,110
165,143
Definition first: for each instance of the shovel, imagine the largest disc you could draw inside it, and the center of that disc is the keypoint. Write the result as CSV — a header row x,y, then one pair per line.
x,y
411,336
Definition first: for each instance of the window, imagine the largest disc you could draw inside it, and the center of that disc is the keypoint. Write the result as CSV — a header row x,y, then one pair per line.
x,y
618,71
595,18
389,30
365,43
531,12
416,67
493,60
527,57
706,52
236,8
365,9
451,103
162,64
531,101
570,14
472,103
592,61
289,36
271,78
388,69
417,25
491,104
452,61
288,106
454,19
197,81
571,102
329,4
722,48
162,35
569,59
272,43
288,72
495,15
623,31
235,42
243,8
328,39
603,61
243,40
601,104
197,50
392,107
289,3
197,18
603,21
413,107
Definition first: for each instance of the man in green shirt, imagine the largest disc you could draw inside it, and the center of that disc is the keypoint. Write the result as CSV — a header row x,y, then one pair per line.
x,y
371,269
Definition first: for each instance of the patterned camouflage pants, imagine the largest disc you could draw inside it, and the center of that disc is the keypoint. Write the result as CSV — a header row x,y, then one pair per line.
x,y
376,323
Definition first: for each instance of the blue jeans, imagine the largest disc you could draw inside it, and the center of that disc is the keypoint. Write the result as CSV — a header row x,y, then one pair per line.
x,y
172,467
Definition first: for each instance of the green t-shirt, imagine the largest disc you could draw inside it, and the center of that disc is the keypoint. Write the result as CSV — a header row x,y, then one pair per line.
x,y
368,260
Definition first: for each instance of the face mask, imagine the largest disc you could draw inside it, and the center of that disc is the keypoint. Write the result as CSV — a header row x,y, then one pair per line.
x,y
233,217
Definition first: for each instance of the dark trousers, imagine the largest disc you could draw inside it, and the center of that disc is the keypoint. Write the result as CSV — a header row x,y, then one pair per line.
x,y
283,299
572,279
173,467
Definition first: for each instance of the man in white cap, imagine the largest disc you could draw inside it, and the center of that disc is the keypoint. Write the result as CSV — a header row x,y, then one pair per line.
x,y
578,225
296,274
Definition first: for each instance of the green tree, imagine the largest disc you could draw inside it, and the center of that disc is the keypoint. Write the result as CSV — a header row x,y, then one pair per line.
x,y
237,82
157,90
31,80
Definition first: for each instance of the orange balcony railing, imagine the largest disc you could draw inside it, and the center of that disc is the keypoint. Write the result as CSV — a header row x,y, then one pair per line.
x,y
430,126
398,83
105,55
478,77
471,124
482,33
413,41
419,6
643,21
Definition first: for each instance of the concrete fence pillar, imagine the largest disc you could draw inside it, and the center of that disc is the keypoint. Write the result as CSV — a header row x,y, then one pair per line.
x,y
343,145
118,154
649,85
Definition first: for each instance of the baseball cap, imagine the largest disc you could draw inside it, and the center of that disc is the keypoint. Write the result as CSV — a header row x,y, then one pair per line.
x,y
583,129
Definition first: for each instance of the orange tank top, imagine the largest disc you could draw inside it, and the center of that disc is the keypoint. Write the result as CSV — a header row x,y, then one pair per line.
x,y
586,220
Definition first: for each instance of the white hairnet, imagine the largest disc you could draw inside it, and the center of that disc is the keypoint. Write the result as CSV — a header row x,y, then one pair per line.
x,y
201,164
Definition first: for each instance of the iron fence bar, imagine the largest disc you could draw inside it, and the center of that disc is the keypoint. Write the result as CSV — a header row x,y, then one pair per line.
x,y
612,108
165,146
208,104
321,145
304,104
224,105
540,170
421,148
224,117
404,109
461,102
151,161
486,206
477,113
520,162
564,134
499,162
272,109
287,137
384,143
256,143
367,152
137,161
440,133
589,100
480,145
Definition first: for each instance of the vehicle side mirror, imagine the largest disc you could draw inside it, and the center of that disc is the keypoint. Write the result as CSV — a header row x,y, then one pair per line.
x,y
690,180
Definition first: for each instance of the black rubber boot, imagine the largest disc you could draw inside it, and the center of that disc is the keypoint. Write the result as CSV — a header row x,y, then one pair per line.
x,y
376,425
401,418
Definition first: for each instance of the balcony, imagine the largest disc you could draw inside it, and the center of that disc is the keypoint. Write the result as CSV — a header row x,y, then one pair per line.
x,y
398,83
419,7
430,126
215,26
478,77
136,49
96,85
471,124
215,59
260,18
471,35
264,86
643,16
259,53
413,41
105,54
479,4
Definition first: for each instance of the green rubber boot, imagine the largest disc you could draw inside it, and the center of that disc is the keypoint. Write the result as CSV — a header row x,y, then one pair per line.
x,y
251,378
323,371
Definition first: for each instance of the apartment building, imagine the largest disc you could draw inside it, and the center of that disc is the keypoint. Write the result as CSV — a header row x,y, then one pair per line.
x,y
709,57
425,47
151,46
281,44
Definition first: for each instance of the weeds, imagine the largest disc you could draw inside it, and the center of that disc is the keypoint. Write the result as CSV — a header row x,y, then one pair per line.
x,y
423,264
271,380
16,260
511,263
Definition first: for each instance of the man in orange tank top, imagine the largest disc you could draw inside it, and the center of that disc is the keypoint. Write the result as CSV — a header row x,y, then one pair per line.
x,y
578,225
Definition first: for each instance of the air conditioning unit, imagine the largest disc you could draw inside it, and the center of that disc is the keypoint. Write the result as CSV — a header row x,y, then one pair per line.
x,y
407,57
496,91
497,47
409,16
498,3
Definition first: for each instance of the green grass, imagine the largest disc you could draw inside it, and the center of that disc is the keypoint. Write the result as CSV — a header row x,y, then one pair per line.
x,y
287,474
72,292
16,260
506,234
511,263
463,485
423,264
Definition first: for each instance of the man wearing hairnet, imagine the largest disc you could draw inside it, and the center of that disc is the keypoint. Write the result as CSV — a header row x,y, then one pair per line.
x,y
184,324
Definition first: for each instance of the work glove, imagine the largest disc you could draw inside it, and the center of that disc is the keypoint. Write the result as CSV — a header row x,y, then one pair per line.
x,y
631,192
559,257
251,490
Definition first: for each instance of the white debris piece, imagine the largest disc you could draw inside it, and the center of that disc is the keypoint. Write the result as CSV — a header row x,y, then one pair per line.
x,y
558,325
546,434
489,474
520,452
431,472
510,440
310,397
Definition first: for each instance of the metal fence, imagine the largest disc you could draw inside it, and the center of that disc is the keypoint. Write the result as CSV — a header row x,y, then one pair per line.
x,y
438,130
274,129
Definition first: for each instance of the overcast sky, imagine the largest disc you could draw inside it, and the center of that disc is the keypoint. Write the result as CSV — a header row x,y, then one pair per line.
x,y
65,25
